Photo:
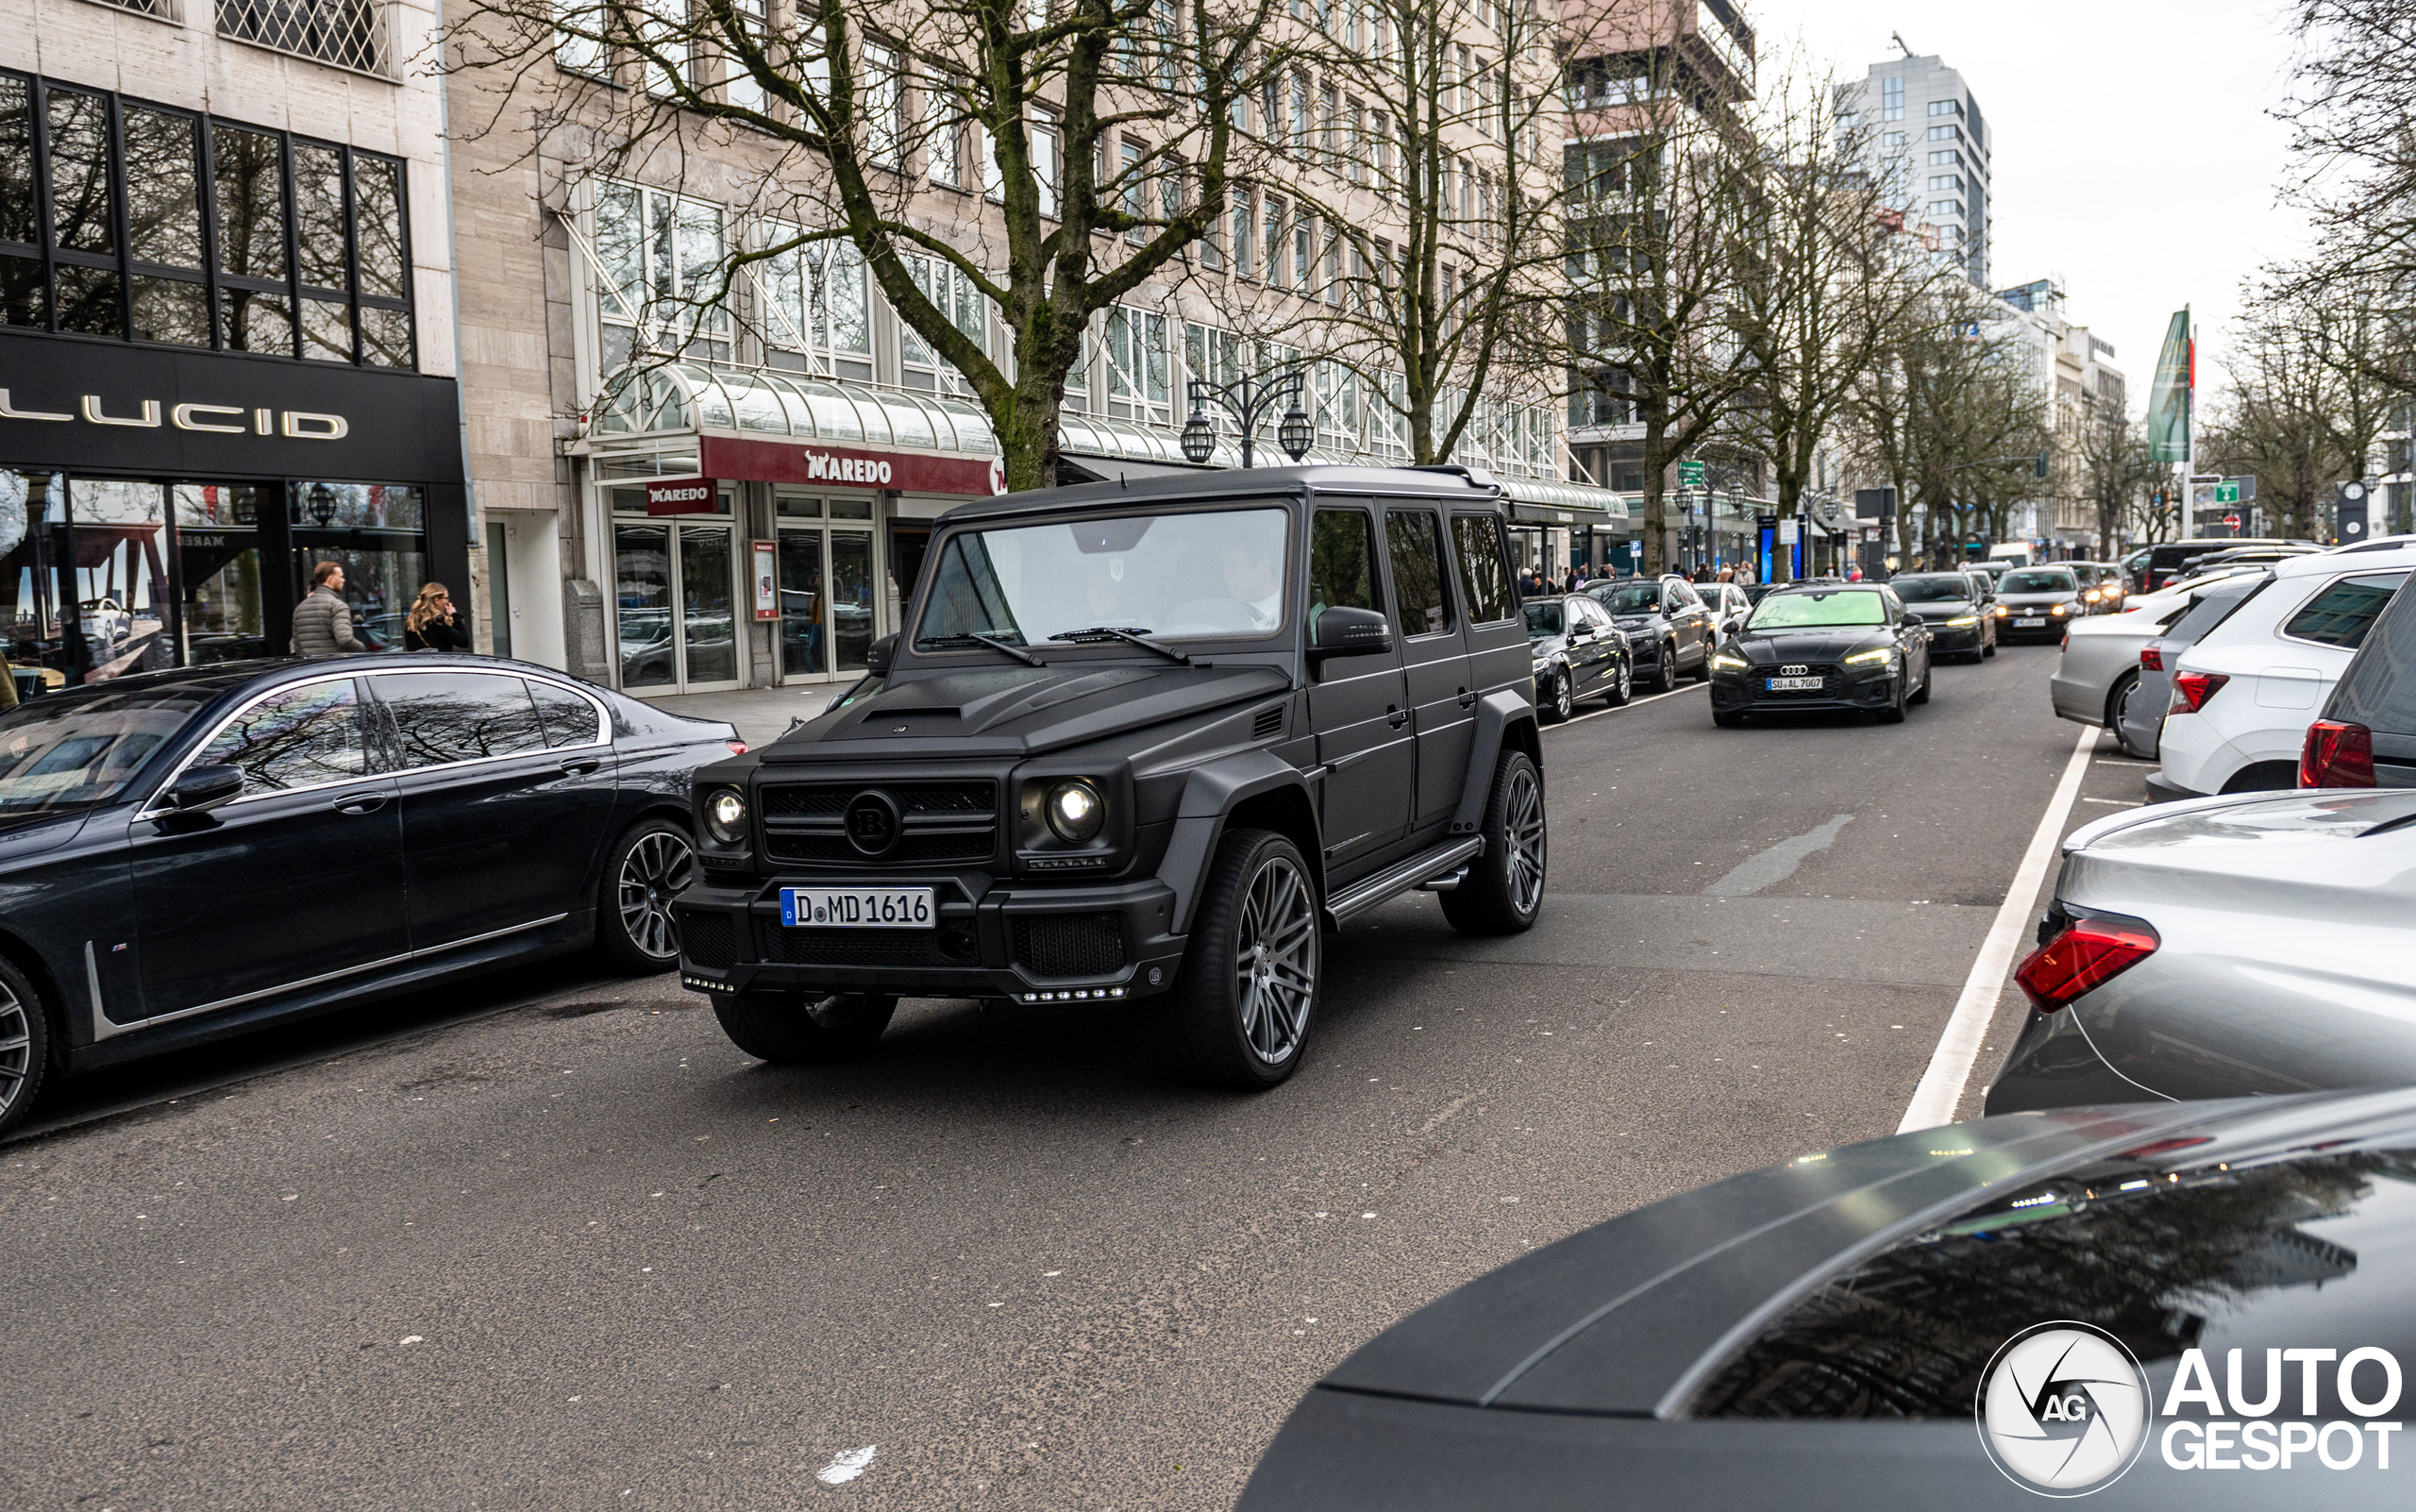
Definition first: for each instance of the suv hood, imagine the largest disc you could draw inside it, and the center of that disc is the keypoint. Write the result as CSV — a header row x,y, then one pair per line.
x,y
1018,711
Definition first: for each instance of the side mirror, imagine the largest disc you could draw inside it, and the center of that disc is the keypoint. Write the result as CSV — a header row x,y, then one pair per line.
x,y
878,654
205,787
1345,631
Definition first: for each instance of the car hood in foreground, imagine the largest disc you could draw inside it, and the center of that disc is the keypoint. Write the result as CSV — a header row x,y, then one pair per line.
x,y
1021,710
1828,645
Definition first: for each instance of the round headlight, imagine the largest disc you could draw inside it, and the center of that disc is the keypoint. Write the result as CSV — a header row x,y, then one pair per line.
x,y
1076,812
726,815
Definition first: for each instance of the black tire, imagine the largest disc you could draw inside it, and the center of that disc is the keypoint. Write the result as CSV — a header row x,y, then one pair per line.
x,y
1623,686
1703,669
1987,651
1561,701
1246,996
650,864
1504,888
1920,695
1728,718
25,1045
2118,700
791,1029
1895,713
1665,676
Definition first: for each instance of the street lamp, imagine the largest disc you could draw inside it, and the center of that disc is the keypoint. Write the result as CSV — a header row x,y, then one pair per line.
x,y
1247,399
323,504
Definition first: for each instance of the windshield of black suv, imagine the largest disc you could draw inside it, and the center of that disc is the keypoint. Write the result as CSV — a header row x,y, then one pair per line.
x,y
1544,619
1222,574
1634,598
1815,610
1944,588
69,751
2041,580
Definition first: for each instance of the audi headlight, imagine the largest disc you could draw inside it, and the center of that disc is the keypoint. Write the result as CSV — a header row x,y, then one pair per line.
x,y
1076,812
1726,662
1963,622
726,815
1870,657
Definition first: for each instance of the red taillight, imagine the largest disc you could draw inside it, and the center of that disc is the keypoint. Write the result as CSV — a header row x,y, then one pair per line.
x,y
2086,954
2190,690
2151,660
2337,755
737,748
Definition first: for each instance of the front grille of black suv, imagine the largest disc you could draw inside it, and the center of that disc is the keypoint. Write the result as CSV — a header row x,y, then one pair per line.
x,y
1070,944
894,949
951,822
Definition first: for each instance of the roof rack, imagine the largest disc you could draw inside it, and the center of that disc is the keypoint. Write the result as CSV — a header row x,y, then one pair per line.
x,y
1477,477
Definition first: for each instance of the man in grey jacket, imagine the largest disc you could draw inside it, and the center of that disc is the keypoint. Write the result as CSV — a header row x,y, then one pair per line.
x,y
322,621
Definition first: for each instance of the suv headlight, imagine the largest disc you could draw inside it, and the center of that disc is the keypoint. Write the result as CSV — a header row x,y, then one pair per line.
x,y
1870,658
726,815
1076,812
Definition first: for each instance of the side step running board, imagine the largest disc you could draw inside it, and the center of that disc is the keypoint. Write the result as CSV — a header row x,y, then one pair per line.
x,y
1443,860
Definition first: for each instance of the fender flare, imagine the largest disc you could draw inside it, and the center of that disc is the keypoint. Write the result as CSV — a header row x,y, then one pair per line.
x,y
1497,714
1209,795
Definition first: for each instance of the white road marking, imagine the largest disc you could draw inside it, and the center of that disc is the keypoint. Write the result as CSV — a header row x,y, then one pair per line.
x,y
846,1466
1632,703
1950,1064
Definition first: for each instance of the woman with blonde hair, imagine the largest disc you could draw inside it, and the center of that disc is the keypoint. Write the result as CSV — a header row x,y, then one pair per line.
x,y
431,625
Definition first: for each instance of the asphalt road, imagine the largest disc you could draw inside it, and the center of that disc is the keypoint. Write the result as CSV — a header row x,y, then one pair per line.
x,y
552,1242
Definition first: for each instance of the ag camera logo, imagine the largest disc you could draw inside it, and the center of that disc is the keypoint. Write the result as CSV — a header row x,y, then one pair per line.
x,y
2064,1410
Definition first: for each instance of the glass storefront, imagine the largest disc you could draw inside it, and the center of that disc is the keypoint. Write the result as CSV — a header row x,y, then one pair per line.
x,y
103,576
827,584
675,595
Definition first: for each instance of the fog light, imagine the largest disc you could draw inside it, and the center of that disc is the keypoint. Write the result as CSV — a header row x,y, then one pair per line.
x,y
1076,812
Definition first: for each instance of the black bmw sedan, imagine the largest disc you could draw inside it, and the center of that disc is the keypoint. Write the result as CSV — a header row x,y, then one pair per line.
x,y
1948,603
186,855
1578,653
2122,1303
1824,646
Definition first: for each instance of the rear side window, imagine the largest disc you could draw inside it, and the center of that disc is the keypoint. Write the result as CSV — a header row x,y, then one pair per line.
x,y
460,716
2210,609
2379,689
2342,614
1416,541
1342,563
567,718
1484,577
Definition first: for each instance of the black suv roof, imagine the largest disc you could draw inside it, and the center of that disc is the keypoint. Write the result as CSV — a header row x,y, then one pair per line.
x,y
1465,484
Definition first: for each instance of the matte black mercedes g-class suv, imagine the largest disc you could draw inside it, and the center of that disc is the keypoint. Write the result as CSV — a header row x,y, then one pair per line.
x,y
1145,742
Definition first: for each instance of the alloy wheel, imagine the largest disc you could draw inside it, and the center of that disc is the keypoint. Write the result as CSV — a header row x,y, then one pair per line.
x,y
652,874
1564,699
16,1047
1627,682
1522,831
1276,960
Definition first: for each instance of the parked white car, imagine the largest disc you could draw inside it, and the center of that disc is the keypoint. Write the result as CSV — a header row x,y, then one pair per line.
x,y
1728,604
2243,697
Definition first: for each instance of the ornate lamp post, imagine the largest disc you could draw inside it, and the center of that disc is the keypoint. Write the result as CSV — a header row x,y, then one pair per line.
x,y
1247,400
323,504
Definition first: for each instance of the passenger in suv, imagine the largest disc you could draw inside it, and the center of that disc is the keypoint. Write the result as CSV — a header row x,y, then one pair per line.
x,y
1145,742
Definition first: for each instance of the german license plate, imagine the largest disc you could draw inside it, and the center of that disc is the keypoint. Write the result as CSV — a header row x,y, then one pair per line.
x,y
858,908
1795,684
2039,622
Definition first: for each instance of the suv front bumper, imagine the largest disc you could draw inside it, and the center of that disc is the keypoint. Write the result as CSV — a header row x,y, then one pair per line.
x,y
1019,941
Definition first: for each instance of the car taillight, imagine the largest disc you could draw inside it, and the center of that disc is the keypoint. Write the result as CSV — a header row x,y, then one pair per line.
x,y
737,748
2151,660
2190,690
2337,755
2084,955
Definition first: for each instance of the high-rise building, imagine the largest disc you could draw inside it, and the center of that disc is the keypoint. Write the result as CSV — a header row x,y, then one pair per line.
x,y
1930,149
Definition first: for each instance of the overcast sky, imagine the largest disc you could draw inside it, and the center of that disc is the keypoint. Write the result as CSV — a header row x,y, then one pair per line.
x,y
2131,154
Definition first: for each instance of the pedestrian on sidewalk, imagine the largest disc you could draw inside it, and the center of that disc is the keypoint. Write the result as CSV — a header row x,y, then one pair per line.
x,y
322,621
432,625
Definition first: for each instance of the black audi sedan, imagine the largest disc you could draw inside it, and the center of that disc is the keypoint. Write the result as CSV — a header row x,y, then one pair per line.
x,y
1578,653
1948,603
186,855
1667,627
1853,645
2036,603
2093,1301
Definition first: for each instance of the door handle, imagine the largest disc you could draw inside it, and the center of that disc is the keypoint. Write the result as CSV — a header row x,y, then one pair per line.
x,y
1467,700
359,803
581,765
1396,717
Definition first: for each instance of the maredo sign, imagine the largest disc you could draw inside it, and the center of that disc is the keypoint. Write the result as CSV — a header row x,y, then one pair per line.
x,y
908,472
681,496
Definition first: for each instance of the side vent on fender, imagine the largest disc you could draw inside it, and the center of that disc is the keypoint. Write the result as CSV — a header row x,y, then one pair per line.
x,y
1269,722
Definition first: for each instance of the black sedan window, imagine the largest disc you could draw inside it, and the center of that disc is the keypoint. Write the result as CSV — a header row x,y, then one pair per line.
x,y
64,751
1931,589
1634,598
2051,581
296,737
460,716
1543,618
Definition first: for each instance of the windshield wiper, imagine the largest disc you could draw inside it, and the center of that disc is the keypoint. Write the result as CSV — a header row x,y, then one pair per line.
x,y
989,638
1114,633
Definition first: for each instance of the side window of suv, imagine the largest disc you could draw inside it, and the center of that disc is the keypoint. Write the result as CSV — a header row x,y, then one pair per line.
x,y
1342,562
1484,574
2342,613
1415,538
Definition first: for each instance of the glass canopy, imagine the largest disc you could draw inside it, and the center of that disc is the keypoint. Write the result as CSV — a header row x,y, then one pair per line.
x,y
693,397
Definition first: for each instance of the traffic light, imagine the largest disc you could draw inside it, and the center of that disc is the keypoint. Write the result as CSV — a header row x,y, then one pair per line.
x,y
2349,513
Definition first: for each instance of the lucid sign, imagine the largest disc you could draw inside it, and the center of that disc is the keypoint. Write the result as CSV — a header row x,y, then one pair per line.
x,y
218,419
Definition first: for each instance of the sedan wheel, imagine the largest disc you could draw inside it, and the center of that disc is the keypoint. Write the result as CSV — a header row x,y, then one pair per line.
x,y
25,1045
1564,697
1895,713
1622,686
650,867
1248,989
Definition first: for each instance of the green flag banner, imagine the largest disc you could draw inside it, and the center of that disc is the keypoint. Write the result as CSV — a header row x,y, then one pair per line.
x,y
2177,374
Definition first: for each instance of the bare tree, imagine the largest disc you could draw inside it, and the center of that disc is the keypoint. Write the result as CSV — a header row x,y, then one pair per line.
x,y
2109,472
1099,133
2279,419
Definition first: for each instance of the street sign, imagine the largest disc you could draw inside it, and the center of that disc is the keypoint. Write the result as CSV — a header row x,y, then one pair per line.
x,y
2349,504
1690,474
2227,491
1874,503
2231,522
1787,531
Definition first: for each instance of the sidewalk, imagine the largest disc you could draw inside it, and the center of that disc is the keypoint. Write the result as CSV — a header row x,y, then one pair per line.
x,y
761,714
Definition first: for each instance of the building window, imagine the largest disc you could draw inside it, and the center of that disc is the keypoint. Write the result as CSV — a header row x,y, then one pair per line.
x,y
1946,158
1945,183
579,38
347,33
946,285
1242,221
1891,99
817,313
1044,161
312,252
1210,355
662,265
739,86
1891,138
1946,133
1275,242
1132,188
1137,377
1946,106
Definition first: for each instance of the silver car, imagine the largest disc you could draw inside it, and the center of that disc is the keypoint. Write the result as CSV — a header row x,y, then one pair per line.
x,y
2223,946
2099,672
2141,719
